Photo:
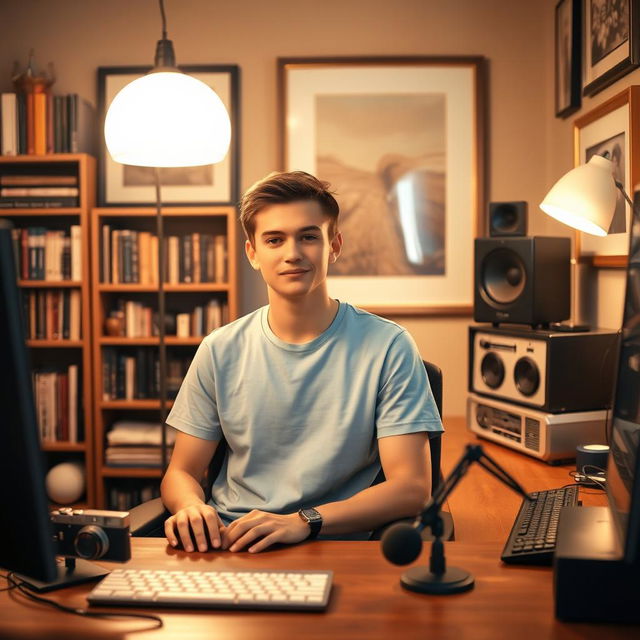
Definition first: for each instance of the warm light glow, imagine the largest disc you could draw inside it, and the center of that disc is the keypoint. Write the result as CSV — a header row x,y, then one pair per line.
x,y
167,119
585,197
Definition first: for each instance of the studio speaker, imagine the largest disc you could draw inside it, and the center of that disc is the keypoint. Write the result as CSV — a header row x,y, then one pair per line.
x,y
507,219
522,280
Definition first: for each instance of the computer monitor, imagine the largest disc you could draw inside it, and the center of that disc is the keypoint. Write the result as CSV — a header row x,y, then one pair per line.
x,y
26,541
623,468
27,545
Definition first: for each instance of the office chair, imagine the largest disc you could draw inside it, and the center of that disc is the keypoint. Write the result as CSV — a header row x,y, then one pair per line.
x,y
147,519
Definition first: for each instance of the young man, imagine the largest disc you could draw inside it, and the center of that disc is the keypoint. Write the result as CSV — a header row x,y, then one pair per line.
x,y
312,396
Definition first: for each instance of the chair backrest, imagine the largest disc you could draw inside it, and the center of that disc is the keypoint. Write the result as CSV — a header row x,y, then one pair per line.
x,y
434,373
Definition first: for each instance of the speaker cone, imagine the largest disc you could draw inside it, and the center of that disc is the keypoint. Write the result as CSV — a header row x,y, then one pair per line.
x,y
492,370
526,376
503,276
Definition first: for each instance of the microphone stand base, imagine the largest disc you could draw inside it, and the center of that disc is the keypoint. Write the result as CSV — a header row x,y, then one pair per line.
x,y
453,580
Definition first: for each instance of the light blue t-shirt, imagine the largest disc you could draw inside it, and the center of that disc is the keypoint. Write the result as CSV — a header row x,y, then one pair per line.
x,y
302,420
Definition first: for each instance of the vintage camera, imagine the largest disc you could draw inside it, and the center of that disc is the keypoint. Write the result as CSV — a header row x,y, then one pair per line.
x,y
92,534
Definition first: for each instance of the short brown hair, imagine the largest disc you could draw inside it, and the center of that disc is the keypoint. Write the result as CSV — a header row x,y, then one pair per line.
x,y
281,188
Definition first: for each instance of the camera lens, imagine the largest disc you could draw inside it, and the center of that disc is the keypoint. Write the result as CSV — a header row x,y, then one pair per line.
x,y
91,542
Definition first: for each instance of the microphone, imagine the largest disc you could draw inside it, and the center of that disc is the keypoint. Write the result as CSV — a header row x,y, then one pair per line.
x,y
401,543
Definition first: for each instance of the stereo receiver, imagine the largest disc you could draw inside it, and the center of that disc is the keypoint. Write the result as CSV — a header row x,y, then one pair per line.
x,y
552,437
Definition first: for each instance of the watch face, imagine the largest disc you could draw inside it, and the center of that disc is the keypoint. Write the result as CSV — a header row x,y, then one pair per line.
x,y
311,515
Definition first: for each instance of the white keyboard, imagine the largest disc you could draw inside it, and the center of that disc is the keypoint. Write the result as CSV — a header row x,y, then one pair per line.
x,y
293,590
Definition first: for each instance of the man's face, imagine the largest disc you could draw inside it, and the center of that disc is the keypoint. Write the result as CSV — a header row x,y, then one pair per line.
x,y
292,247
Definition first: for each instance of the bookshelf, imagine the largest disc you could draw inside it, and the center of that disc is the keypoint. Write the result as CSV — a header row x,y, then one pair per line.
x,y
124,287
64,437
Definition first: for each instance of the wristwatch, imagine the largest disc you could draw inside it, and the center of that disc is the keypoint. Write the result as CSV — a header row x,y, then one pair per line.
x,y
313,519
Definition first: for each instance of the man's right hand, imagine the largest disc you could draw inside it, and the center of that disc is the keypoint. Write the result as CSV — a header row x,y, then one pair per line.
x,y
198,519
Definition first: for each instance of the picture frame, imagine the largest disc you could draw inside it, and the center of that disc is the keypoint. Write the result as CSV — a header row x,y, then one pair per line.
x,y
401,140
611,42
121,185
568,57
612,127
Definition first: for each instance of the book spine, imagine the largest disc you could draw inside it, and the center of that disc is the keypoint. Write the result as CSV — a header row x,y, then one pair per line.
x,y
76,252
40,123
31,148
22,123
106,254
8,105
49,130
73,403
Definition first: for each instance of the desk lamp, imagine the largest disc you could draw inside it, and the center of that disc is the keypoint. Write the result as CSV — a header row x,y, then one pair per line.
x,y
585,199
166,118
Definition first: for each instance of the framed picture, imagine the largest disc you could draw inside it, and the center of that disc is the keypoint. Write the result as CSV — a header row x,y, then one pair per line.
x,y
611,42
125,185
568,56
401,141
608,128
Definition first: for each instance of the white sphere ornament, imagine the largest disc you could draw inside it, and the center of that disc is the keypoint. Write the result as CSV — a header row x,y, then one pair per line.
x,y
167,119
65,482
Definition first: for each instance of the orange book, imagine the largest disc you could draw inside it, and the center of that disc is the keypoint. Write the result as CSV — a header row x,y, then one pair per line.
x,y
40,123
30,117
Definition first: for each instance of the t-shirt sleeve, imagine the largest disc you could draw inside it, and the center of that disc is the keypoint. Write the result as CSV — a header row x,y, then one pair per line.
x,y
405,400
195,410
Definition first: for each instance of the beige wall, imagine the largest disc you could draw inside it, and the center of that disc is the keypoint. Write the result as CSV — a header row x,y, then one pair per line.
x,y
527,147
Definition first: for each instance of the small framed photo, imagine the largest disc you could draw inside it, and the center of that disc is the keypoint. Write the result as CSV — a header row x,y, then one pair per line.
x,y
402,143
607,129
124,185
611,42
568,56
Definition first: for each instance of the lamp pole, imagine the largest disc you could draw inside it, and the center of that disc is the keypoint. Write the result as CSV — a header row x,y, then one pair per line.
x,y
162,346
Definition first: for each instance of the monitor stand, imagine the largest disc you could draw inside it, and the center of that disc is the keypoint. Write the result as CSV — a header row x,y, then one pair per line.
x,y
71,571
592,582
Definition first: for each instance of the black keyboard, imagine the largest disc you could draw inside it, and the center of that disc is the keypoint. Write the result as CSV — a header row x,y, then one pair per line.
x,y
533,536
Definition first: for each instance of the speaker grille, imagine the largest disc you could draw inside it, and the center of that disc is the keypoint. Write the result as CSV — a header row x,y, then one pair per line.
x,y
532,434
503,276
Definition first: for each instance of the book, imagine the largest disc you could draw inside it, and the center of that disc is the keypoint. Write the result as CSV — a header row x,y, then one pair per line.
x,y
73,402
40,124
39,191
76,252
82,126
22,123
29,124
38,180
9,112
106,253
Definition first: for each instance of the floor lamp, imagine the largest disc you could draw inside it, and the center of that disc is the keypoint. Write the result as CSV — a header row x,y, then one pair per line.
x,y
166,118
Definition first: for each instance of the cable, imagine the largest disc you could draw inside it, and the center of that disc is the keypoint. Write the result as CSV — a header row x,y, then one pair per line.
x,y
164,20
20,586
5,576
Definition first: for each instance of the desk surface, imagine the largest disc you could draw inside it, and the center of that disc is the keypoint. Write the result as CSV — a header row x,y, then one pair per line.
x,y
367,600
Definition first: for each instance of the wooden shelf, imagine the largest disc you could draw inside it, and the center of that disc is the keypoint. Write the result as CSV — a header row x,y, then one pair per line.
x,y
169,288
140,405
42,211
131,472
55,344
172,341
167,212
49,284
63,446
83,166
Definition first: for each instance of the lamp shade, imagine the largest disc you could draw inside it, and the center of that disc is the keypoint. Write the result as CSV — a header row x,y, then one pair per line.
x,y
167,119
585,197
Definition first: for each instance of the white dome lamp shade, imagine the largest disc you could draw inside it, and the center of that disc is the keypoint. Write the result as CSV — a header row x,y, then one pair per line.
x,y
167,118
585,197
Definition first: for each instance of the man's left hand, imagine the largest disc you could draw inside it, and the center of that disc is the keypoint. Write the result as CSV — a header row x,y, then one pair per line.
x,y
266,528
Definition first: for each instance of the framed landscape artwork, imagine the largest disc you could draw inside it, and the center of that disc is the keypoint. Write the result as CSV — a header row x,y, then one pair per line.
x,y
401,142
611,42
124,185
607,129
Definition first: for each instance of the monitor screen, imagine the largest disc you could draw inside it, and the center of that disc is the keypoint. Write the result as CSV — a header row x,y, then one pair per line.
x,y
26,541
623,477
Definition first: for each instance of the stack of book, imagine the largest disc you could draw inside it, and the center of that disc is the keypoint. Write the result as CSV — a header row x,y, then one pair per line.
x,y
130,256
137,444
53,314
124,497
32,190
56,399
134,375
141,321
41,123
46,254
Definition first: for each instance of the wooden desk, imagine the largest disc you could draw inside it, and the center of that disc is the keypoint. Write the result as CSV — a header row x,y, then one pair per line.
x,y
367,600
